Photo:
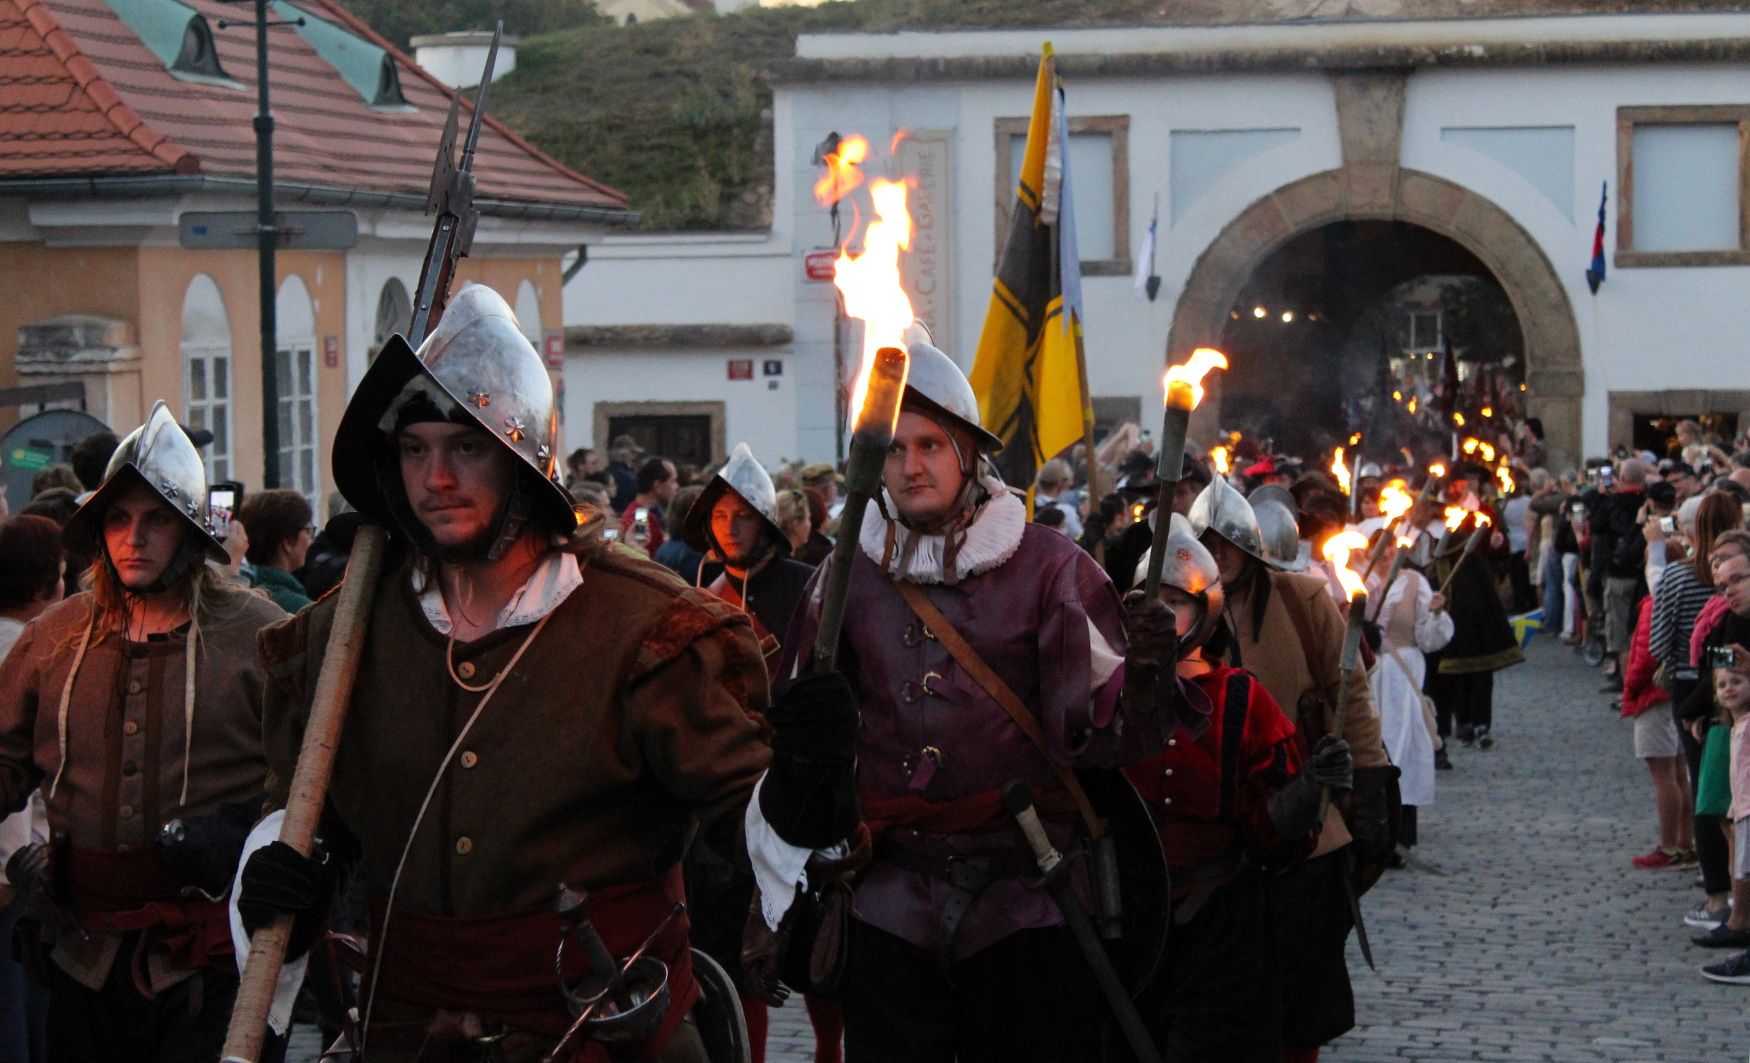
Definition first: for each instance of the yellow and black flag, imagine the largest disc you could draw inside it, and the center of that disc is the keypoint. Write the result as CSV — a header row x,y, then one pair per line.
x,y
1028,373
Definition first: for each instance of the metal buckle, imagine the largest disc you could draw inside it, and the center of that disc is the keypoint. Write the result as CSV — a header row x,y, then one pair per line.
x,y
925,683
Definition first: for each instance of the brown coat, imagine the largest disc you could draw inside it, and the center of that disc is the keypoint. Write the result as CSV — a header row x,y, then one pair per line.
x,y
1275,657
124,764
631,720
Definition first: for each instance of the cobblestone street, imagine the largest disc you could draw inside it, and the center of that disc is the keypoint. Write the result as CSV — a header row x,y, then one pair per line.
x,y
1522,933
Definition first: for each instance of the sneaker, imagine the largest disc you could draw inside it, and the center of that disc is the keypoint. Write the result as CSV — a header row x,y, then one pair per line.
x,y
1485,740
1723,937
1733,971
1705,918
1688,858
1441,761
1657,860
1466,737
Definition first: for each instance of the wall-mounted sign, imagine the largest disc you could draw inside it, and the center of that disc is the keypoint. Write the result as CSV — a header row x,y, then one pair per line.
x,y
741,368
331,352
820,265
553,346
773,367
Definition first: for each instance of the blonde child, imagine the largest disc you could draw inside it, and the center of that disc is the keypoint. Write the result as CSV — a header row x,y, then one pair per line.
x,y
1732,695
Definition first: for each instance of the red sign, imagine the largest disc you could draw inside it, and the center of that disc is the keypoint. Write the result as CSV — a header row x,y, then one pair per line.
x,y
554,348
331,352
820,265
741,368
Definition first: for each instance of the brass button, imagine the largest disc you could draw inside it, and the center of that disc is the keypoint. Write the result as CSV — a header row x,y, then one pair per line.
x,y
125,812
470,758
134,686
465,669
132,727
464,845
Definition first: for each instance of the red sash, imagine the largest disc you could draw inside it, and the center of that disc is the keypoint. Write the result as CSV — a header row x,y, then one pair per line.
x,y
121,893
500,966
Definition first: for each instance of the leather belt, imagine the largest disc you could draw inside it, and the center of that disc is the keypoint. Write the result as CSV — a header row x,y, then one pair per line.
x,y
966,876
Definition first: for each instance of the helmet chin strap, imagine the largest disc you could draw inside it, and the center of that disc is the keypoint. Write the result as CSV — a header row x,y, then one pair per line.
x,y
187,555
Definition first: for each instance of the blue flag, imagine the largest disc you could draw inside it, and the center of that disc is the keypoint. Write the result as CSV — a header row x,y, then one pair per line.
x,y
1595,272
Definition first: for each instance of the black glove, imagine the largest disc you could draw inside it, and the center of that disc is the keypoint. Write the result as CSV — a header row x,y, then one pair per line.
x,y
206,849
1151,647
810,792
1295,809
278,880
30,867
1331,764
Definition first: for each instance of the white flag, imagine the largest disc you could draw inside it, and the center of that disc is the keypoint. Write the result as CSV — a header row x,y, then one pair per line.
x,y
1145,262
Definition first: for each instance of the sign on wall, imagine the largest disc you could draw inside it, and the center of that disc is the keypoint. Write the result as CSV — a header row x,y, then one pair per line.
x,y
927,270
553,347
741,368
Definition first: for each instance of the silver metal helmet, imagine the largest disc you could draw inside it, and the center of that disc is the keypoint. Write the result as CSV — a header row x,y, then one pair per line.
x,y
1277,492
1280,533
1220,509
1190,567
159,455
933,378
478,369
746,477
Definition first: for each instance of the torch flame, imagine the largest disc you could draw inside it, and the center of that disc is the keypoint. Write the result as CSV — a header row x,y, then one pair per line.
x,y
1340,470
1337,550
1405,542
1470,446
1412,404
1437,470
1487,411
1395,500
1505,476
1458,419
843,171
870,284
1188,377
1355,439
1222,457
1455,516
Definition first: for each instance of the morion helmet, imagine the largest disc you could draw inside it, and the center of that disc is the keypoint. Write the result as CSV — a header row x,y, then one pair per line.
x,y
935,383
159,455
746,477
1222,510
476,369
1280,534
1190,567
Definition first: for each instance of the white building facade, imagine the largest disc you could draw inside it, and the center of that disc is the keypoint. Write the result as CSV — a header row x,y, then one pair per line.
x,y
1497,134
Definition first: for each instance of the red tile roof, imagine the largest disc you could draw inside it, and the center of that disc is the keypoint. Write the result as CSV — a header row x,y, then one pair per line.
x,y
81,96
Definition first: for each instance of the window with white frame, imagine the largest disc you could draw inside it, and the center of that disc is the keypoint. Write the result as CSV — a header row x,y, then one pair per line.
x,y
1099,165
1683,190
295,367
206,372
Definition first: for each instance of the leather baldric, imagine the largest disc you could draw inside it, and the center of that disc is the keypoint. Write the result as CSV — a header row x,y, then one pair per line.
x,y
993,684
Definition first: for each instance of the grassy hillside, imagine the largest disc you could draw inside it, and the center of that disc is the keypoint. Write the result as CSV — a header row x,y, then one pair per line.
x,y
673,112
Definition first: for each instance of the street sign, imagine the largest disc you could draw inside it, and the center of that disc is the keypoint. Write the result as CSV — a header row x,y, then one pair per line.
x,y
298,230
741,368
820,265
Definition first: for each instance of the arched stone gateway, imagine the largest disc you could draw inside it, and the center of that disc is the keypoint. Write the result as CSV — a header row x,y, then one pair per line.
x,y
1385,192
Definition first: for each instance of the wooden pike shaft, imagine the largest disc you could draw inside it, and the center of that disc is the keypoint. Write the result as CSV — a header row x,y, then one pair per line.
x,y
1350,662
1470,547
309,788
1169,468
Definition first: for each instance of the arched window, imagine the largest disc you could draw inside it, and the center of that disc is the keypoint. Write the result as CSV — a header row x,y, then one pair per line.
x,y
206,371
296,368
528,312
394,314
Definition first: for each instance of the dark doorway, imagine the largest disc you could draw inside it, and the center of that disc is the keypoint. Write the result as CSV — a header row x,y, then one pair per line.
x,y
1348,328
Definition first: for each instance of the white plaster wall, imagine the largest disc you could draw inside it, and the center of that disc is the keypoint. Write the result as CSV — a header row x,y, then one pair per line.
x,y
683,279
756,412
1647,328
369,266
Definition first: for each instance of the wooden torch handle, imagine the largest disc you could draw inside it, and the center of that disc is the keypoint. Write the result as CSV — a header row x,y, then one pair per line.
x,y
309,787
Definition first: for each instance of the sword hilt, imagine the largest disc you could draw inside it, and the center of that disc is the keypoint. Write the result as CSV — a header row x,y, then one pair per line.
x,y
1018,799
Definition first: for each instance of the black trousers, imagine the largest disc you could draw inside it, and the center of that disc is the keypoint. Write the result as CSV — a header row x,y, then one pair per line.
x,y
1468,698
1711,851
115,1024
1215,999
1310,916
1029,997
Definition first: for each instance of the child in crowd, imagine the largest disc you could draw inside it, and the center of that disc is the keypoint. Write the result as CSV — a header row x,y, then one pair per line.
x,y
1732,695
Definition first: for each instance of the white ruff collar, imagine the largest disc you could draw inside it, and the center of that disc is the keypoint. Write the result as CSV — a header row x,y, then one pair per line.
x,y
993,537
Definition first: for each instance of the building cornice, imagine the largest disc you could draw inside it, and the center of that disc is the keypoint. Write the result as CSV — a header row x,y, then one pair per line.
x,y
678,336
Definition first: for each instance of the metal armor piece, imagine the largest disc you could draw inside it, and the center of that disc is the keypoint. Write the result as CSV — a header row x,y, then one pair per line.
x,y
1221,509
718,1015
159,455
479,360
745,476
934,378
1276,492
1280,532
1190,567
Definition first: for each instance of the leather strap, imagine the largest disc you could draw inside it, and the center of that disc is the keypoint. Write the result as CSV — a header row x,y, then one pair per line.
x,y
993,684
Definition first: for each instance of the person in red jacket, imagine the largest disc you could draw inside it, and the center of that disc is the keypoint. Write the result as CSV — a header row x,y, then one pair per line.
x,y
1645,702
1231,800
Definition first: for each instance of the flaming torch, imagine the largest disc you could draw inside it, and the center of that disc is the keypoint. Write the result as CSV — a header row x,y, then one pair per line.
x,y
1394,502
1340,469
1470,544
1337,550
1184,390
869,283
1436,473
1222,458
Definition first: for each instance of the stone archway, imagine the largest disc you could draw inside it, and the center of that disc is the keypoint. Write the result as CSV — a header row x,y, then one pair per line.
x,y
1371,186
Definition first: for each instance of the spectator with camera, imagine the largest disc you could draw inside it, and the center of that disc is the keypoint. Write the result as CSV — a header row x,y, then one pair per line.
x,y
1618,553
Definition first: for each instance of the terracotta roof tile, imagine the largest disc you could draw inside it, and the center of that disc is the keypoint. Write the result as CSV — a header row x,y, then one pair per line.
x,y
80,94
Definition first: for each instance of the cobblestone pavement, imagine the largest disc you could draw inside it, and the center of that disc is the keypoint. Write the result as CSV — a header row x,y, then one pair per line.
x,y
1523,934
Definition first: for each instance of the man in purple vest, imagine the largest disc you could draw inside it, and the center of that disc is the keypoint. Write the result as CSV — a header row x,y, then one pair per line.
x,y
951,954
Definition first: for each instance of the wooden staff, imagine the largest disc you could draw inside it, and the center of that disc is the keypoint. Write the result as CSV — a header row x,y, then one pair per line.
x,y
1470,547
309,788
